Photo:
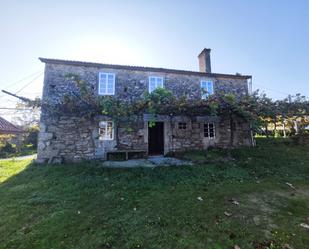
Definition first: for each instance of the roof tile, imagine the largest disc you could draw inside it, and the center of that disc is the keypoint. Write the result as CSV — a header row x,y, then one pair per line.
x,y
8,128
139,68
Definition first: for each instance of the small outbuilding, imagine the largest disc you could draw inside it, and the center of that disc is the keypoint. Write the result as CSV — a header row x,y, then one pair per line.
x,y
7,128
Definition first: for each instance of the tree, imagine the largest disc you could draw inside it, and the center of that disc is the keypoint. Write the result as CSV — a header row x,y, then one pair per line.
x,y
26,116
267,112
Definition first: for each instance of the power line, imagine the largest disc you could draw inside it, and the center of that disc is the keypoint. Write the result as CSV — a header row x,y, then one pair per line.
x,y
37,74
25,93
273,90
28,83
27,77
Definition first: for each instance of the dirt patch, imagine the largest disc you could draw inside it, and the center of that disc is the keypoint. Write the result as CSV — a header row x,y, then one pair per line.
x,y
302,192
262,208
298,192
258,201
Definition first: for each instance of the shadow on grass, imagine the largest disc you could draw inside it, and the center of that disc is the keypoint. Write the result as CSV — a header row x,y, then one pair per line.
x,y
86,206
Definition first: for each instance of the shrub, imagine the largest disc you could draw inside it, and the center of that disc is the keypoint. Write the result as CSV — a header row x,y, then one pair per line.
x,y
21,144
32,136
8,148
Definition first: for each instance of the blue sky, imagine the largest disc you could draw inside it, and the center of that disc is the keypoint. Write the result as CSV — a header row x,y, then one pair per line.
x,y
266,39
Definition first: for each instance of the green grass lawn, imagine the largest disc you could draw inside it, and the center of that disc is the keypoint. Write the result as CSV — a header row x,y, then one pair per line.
x,y
87,206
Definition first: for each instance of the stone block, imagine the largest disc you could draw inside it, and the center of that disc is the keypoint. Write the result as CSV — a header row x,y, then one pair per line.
x,y
41,145
44,136
42,127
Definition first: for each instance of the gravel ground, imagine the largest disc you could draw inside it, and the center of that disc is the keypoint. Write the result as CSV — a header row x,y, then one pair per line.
x,y
150,162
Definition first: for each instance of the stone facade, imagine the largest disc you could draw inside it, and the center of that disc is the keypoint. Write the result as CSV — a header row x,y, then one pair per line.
x,y
131,84
74,138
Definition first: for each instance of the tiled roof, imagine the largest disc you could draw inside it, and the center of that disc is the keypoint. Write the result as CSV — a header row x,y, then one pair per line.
x,y
8,128
138,68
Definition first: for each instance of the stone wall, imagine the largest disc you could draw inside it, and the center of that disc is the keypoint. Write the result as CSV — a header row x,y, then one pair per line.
x,y
75,138
193,137
132,84
66,137
132,137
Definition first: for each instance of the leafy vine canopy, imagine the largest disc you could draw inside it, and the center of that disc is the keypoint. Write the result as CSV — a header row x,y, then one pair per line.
x,y
252,107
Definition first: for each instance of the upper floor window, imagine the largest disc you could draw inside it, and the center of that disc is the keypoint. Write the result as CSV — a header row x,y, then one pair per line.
x,y
207,88
106,130
155,82
106,83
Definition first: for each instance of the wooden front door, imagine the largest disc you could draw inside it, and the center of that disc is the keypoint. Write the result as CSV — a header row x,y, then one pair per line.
x,y
156,139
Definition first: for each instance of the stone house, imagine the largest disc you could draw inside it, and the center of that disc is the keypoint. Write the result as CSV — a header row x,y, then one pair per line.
x,y
71,138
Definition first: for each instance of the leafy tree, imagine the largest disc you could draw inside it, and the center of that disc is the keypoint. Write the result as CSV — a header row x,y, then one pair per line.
x,y
26,116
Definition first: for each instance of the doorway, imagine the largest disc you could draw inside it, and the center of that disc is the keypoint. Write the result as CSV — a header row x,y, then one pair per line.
x,y
156,139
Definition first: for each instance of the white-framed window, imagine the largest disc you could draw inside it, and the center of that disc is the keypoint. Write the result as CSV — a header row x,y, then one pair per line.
x,y
106,83
155,82
182,126
207,88
209,130
106,130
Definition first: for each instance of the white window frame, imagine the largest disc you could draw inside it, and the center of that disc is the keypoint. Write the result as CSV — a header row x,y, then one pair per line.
x,y
104,125
156,82
106,90
207,83
208,130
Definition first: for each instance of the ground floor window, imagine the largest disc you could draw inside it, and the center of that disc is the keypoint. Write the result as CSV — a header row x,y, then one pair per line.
x,y
182,126
106,130
209,130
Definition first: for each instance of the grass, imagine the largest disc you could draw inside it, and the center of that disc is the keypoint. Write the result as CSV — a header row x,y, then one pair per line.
x,y
23,152
86,206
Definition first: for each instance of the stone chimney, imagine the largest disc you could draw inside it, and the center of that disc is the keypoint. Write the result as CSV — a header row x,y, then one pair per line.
x,y
204,60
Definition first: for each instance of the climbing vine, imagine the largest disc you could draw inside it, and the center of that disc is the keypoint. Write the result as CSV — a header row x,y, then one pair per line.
x,y
256,108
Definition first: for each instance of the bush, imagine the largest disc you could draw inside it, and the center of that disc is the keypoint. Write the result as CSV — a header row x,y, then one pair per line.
x,y
301,139
32,137
278,134
21,144
7,149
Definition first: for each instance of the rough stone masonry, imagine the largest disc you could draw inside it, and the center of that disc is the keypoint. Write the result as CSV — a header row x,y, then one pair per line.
x,y
70,138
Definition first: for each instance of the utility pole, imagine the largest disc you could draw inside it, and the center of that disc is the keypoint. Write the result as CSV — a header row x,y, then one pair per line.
x,y
16,96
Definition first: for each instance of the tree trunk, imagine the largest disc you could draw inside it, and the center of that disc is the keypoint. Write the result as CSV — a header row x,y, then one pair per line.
x,y
284,132
266,129
296,127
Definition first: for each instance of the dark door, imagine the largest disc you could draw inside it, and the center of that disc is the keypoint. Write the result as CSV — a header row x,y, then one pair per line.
x,y
156,139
